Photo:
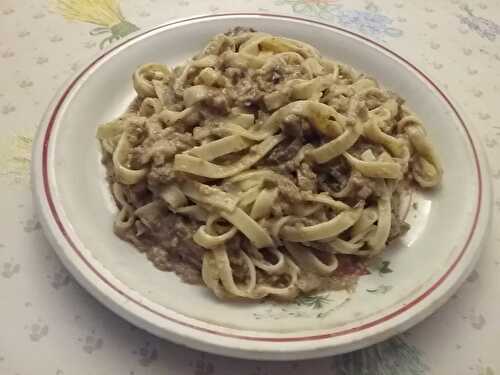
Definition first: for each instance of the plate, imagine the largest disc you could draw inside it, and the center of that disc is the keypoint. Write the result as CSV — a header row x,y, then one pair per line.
x,y
418,273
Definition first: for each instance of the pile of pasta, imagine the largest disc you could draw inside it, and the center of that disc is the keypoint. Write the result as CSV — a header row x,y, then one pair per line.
x,y
289,237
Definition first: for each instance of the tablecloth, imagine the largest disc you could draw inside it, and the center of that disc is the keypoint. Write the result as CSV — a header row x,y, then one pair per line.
x,y
50,325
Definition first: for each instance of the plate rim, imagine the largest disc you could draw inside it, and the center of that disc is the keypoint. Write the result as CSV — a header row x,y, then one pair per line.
x,y
63,242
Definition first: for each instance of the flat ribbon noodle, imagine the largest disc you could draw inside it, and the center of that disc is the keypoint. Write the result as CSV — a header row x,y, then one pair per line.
x,y
210,241
378,169
331,228
213,150
396,146
125,217
200,167
311,262
379,238
338,146
429,170
124,174
277,268
226,274
207,194
249,227
144,76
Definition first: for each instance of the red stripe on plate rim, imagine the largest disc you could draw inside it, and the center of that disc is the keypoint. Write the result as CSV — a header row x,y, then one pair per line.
x,y
344,332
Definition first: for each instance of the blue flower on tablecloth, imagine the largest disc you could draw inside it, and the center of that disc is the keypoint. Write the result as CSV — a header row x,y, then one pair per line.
x,y
484,27
368,21
393,356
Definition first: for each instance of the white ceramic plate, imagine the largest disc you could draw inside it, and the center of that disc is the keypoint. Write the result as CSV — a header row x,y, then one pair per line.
x,y
428,263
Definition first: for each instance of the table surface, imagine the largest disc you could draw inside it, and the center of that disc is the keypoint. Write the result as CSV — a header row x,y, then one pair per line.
x,y
50,325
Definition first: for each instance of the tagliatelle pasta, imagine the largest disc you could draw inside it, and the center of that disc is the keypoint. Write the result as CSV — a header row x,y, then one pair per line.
x,y
259,165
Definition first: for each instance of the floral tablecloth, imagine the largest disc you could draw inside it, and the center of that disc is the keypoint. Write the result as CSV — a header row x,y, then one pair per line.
x,y
50,325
